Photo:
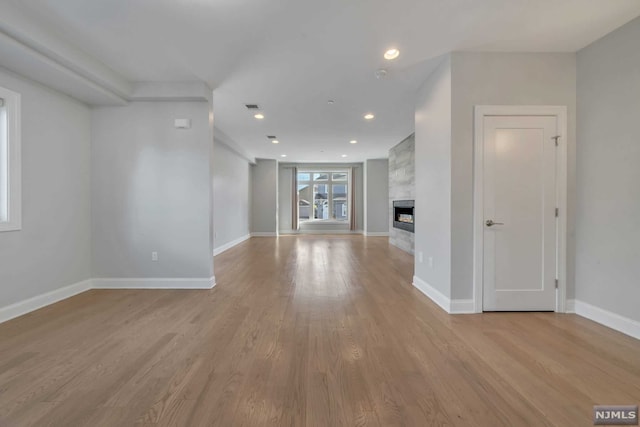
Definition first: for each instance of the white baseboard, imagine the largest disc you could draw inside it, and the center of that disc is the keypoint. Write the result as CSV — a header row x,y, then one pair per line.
x,y
412,252
264,234
570,306
431,292
23,307
456,306
154,283
227,246
376,233
461,306
328,232
607,318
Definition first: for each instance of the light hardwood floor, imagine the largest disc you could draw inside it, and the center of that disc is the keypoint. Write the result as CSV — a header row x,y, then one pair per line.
x,y
305,331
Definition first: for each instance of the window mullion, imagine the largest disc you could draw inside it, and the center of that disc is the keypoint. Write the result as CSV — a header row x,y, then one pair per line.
x,y
10,167
330,192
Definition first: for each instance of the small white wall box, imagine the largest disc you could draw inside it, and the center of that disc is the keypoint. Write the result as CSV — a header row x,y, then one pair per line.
x,y
182,123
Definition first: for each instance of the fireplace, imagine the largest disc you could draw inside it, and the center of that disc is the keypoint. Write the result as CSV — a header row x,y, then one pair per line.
x,y
403,215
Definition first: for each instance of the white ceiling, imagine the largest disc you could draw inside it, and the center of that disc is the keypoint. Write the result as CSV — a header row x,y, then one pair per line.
x,y
292,56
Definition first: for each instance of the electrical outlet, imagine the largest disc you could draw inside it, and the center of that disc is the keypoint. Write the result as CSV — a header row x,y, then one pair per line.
x,y
154,256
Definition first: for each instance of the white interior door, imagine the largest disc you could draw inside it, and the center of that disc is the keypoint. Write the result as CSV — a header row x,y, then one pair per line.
x,y
519,202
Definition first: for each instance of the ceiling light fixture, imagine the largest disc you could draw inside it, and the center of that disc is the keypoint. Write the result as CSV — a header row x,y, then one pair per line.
x,y
353,141
344,155
275,141
369,116
381,74
330,102
283,155
391,54
259,116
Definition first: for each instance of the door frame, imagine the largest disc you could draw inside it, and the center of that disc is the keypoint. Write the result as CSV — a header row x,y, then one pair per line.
x,y
482,111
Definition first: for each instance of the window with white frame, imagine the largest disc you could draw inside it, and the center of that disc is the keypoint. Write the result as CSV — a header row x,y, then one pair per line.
x,y
10,175
323,195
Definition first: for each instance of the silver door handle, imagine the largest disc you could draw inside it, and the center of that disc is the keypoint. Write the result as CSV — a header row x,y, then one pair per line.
x,y
490,223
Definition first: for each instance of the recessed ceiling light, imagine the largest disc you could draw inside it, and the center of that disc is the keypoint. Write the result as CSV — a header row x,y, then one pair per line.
x,y
344,155
353,141
259,116
283,155
391,54
275,141
369,116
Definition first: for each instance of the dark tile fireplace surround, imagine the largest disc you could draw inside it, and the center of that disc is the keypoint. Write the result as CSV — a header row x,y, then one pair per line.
x,y
403,215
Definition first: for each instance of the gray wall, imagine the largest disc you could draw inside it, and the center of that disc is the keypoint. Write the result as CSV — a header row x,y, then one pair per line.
x,y
376,196
264,196
284,198
151,191
502,79
433,179
53,249
444,152
608,173
402,186
231,207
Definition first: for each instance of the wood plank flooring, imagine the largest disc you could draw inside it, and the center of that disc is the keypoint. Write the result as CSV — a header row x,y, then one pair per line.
x,y
305,331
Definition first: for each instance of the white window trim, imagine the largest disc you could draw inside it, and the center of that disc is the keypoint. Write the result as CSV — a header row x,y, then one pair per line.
x,y
329,182
12,105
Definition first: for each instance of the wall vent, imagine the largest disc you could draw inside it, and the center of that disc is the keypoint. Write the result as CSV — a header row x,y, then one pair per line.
x,y
252,106
271,136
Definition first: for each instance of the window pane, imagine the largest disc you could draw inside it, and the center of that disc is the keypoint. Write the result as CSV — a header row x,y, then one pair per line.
x,y
10,166
340,191
4,165
304,202
320,201
340,205
323,196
